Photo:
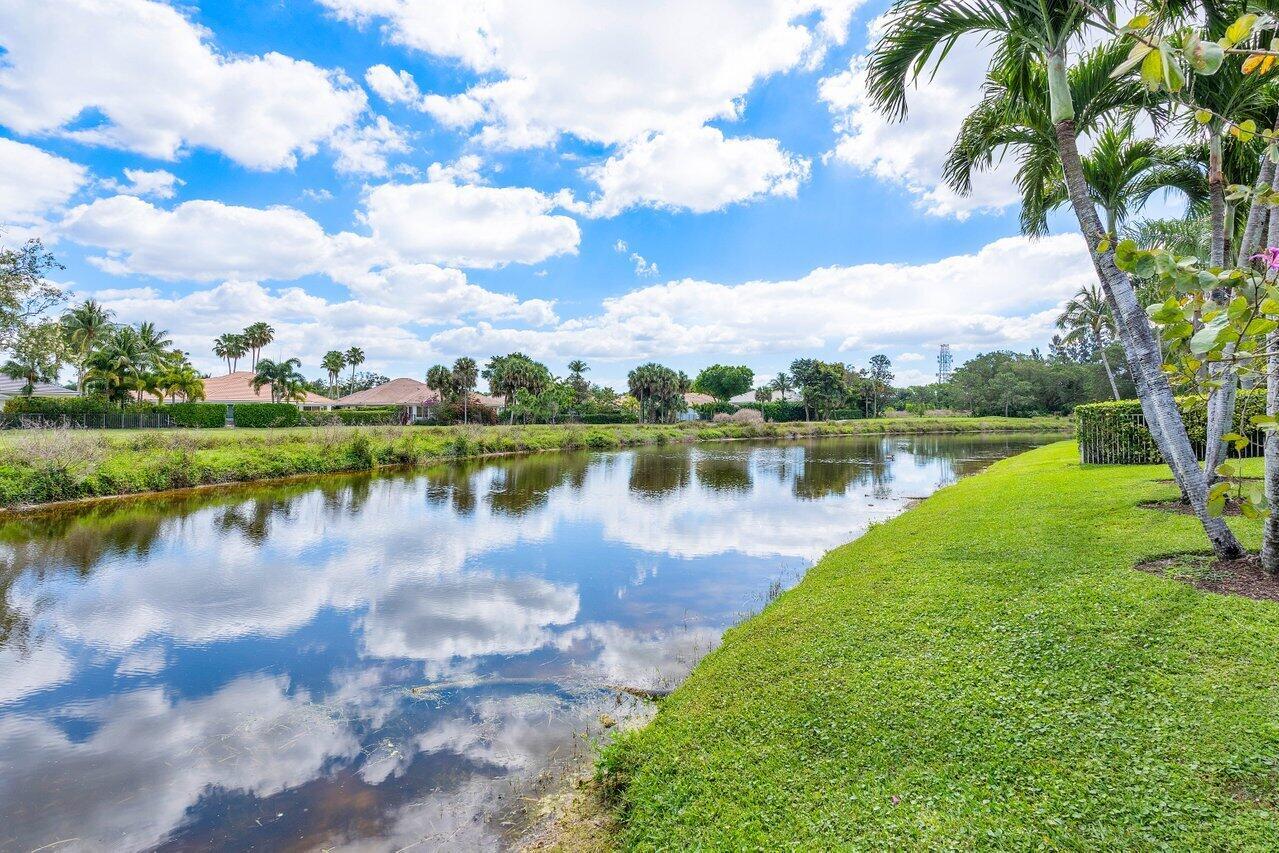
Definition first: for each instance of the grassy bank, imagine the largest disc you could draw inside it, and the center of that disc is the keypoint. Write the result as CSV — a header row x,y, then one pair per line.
x,y
41,466
986,671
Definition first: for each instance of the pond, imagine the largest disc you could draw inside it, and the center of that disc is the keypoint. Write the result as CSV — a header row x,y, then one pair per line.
x,y
379,661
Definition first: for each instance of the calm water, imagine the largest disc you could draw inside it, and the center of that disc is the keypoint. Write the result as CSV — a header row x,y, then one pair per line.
x,y
372,662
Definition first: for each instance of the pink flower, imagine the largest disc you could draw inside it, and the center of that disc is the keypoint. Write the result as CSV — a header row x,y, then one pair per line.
x,y
1269,256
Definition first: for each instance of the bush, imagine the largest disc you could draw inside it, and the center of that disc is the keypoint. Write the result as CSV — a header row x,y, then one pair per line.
x,y
255,415
197,415
708,411
55,406
609,418
446,414
846,414
781,412
365,416
747,416
1115,432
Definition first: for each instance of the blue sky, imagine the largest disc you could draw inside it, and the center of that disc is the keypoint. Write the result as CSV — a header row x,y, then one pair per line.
x,y
432,178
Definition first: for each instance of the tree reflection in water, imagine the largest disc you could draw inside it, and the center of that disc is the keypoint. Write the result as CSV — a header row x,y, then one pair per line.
x,y
315,663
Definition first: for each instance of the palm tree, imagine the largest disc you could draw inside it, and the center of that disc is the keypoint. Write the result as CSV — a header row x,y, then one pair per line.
x,y
354,357
286,383
118,366
84,326
440,380
1087,317
782,384
577,367
1121,172
1026,34
256,337
466,373
232,347
333,362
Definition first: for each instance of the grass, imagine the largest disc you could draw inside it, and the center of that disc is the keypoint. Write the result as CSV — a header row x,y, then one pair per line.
x,y
42,466
986,671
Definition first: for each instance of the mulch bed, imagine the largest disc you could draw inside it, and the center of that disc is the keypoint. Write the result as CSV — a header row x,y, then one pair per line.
x,y
1243,576
1232,508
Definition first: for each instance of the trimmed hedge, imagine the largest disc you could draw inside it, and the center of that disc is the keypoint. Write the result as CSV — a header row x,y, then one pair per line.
x,y
90,405
198,415
366,416
259,415
609,418
1115,432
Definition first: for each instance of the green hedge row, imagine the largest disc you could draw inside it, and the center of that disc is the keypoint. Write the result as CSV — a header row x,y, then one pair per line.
x,y
1115,431
847,414
198,415
609,418
706,411
366,416
54,406
260,415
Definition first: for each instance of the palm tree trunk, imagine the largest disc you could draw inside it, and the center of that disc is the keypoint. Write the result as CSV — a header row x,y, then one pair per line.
x,y
1270,528
1156,395
1105,362
1217,197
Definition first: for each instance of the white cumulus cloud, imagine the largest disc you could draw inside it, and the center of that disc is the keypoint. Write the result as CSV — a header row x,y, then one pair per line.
x,y
34,183
159,86
695,169
602,72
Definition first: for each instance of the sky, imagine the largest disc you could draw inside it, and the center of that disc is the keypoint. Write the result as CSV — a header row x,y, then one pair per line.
x,y
612,180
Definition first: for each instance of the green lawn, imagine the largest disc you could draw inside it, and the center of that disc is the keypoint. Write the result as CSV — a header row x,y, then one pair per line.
x,y
40,466
986,671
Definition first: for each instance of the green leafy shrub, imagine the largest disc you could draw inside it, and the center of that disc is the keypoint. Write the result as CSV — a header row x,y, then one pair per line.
x,y
445,414
609,418
846,414
778,411
1115,432
251,415
197,415
54,406
363,416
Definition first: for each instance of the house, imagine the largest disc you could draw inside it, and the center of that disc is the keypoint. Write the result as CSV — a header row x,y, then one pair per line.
x,y
691,399
14,388
238,387
414,398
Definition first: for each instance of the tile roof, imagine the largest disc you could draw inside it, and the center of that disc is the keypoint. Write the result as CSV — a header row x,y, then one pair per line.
x,y
238,388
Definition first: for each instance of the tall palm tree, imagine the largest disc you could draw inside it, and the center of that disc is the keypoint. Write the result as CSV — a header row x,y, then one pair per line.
x,y
440,380
466,373
1026,33
782,384
84,326
231,347
577,367
354,357
257,336
333,362
286,383
1087,317
118,366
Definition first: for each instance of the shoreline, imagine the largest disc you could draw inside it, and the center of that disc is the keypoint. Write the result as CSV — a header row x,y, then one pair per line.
x,y
980,669
141,464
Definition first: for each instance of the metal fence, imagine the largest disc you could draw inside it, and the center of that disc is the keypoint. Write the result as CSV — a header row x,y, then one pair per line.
x,y
1124,439
89,420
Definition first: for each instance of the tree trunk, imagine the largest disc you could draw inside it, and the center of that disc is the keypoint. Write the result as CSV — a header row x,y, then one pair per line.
x,y
1105,362
1222,400
1217,197
1138,339
1270,528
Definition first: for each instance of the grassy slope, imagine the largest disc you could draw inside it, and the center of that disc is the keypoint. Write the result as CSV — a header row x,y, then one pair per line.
x,y
42,466
992,660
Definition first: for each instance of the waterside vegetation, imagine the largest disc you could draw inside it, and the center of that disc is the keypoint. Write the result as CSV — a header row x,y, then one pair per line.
x,y
47,465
